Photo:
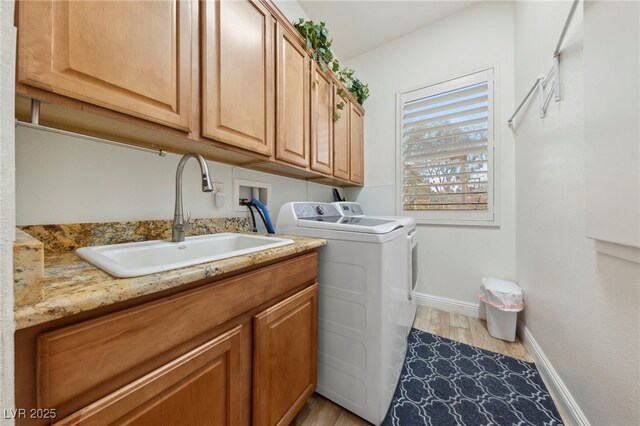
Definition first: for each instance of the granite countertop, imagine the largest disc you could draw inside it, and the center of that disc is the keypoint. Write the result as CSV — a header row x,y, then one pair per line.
x,y
70,285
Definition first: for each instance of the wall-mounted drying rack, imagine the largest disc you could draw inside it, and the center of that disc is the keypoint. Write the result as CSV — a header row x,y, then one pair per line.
x,y
548,85
35,124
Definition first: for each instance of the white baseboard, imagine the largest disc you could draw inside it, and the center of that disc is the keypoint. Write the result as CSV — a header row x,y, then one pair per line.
x,y
568,406
450,305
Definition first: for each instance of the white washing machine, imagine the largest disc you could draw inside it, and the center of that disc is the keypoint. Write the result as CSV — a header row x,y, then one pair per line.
x,y
362,278
352,209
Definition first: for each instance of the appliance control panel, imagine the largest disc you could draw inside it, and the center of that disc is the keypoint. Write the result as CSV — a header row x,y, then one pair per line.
x,y
315,210
350,209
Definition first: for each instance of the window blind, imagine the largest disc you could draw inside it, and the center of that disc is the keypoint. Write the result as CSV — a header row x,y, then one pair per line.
x,y
446,142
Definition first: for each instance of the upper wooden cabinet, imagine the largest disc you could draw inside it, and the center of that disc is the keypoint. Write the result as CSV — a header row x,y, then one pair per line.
x,y
238,74
356,138
321,121
228,79
292,99
341,152
285,358
128,56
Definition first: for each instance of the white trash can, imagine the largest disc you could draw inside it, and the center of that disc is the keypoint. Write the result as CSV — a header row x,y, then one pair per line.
x,y
503,301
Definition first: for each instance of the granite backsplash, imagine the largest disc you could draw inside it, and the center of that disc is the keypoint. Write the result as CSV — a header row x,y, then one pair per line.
x,y
68,237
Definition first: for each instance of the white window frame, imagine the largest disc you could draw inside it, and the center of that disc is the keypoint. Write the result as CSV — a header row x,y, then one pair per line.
x,y
489,217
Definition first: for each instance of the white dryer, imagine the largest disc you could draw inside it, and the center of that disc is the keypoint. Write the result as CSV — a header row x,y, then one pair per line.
x,y
362,278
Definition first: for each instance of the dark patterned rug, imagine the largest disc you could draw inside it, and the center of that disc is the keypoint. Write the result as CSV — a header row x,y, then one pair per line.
x,y
449,383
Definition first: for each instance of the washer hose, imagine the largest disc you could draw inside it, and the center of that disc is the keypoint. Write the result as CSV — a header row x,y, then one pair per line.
x,y
264,214
253,217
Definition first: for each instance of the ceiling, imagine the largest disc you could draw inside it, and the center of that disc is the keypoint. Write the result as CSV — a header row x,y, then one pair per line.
x,y
357,26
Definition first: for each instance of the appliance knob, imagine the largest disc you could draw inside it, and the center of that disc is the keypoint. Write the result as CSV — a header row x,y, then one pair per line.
x,y
321,210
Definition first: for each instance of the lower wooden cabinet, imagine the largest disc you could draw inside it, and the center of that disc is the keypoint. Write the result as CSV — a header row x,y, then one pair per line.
x,y
202,387
232,351
285,345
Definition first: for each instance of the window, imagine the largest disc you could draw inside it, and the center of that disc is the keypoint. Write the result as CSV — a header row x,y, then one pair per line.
x,y
446,147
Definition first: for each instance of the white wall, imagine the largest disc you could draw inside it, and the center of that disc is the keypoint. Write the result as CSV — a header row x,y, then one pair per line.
x,y
7,202
582,306
62,179
291,9
452,259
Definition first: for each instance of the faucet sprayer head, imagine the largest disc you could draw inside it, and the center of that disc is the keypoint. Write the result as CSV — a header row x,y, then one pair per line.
x,y
206,183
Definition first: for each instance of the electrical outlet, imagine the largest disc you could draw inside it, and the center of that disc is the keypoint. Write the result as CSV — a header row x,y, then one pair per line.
x,y
218,195
217,187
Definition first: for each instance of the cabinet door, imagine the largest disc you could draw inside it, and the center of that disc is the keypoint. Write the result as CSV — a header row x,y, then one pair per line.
x,y
202,387
285,358
321,122
237,74
356,131
128,56
292,94
341,151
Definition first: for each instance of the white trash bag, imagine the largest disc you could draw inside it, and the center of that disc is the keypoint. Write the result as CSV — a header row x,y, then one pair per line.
x,y
504,301
501,294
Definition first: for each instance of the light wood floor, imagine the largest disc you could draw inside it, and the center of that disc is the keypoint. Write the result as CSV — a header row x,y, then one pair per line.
x,y
319,411
471,331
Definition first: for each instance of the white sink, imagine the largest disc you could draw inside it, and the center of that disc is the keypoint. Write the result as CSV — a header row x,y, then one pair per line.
x,y
149,257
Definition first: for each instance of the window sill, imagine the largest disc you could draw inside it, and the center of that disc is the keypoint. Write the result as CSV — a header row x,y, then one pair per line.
x,y
469,223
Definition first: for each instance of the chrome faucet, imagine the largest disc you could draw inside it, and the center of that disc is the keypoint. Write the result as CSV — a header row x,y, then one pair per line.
x,y
180,225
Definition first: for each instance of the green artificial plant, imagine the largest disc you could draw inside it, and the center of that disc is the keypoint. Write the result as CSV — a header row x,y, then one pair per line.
x,y
317,39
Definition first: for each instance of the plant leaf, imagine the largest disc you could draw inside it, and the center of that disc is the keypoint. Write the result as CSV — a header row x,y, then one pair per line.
x,y
317,39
